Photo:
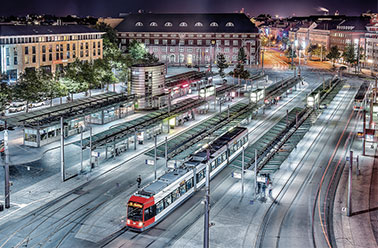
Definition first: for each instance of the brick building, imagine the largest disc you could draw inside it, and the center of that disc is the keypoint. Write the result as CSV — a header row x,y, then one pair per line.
x,y
192,39
46,47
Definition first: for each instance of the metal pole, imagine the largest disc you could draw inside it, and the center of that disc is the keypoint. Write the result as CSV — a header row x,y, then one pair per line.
x,y
296,119
371,113
228,111
255,172
349,213
166,151
364,140
6,166
155,155
62,171
207,208
287,117
242,173
81,148
90,147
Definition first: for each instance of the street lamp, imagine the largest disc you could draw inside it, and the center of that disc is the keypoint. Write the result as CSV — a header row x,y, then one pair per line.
x,y
206,230
211,44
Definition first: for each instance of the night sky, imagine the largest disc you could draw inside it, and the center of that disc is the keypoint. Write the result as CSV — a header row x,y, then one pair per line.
x,y
114,7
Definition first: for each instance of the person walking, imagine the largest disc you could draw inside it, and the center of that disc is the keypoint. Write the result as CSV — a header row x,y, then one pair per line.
x,y
139,181
263,190
270,189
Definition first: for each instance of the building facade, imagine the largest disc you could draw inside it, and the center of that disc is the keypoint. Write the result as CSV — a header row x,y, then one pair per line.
x,y
348,32
192,39
46,47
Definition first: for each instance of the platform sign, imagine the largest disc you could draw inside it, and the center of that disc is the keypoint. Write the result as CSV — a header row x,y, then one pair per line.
x,y
150,162
236,174
95,154
261,179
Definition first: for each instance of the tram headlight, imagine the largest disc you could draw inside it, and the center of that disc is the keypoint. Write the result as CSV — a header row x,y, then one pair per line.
x,y
140,224
128,222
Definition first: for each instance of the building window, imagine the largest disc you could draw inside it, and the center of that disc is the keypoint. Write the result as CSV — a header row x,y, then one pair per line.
x,y
226,42
226,50
86,46
189,50
50,48
165,42
229,24
156,41
26,50
155,49
94,52
33,59
8,63
15,61
183,24
182,42
68,47
213,24
198,24
98,52
50,57
139,24
168,24
153,24
207,42
235,42
86,53
235,50
234,57
199,42
147,41
57,56
43,49
172,49
190,42
43,57
173,42
94,45
26,59
181,50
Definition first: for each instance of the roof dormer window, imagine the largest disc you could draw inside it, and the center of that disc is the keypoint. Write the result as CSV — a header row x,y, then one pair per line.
x,y
139,24
230,24
153,24
168,24
183,24
198,24
213,24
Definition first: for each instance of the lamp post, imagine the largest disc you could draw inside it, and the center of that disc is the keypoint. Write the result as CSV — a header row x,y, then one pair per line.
x,y
212,43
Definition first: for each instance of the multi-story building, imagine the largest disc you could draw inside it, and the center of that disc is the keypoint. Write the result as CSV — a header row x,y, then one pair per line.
x,y
50,48
192,39
320,35
371,43
350,31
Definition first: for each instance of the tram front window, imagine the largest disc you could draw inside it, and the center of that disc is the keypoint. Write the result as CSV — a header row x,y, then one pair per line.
x,y
135,211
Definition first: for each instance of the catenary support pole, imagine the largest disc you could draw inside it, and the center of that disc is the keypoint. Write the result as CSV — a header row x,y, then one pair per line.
x,y
155,155
90,148
349,207
6,166
81,149
242,174
166,152
255,172
62,169
364,129
207,209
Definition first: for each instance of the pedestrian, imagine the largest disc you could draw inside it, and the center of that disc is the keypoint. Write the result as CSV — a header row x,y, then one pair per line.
x,y
270,189
264,189
139,181
258,188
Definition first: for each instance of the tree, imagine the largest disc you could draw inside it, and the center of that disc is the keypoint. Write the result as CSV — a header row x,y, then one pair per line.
x,y
52,86
221,64
333,54
137,51
5,93
290,53
242,57
30,87
349,54
110,33
72,79
240,72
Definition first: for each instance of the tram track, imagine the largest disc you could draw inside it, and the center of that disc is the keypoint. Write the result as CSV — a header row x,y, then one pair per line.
x,y
272,208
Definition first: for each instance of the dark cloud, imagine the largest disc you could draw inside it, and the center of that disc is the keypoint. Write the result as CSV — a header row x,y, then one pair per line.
x,y
113,7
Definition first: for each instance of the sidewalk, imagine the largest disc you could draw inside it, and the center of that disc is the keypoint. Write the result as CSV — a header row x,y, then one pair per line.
x,y
361,229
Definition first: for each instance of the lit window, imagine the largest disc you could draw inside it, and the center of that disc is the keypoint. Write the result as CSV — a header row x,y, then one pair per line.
x,y
213,24
183,24
168,24
198,24
229,24
138,24
153,24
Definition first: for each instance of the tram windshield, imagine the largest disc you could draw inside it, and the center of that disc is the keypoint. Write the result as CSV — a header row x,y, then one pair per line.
x,y
135,211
